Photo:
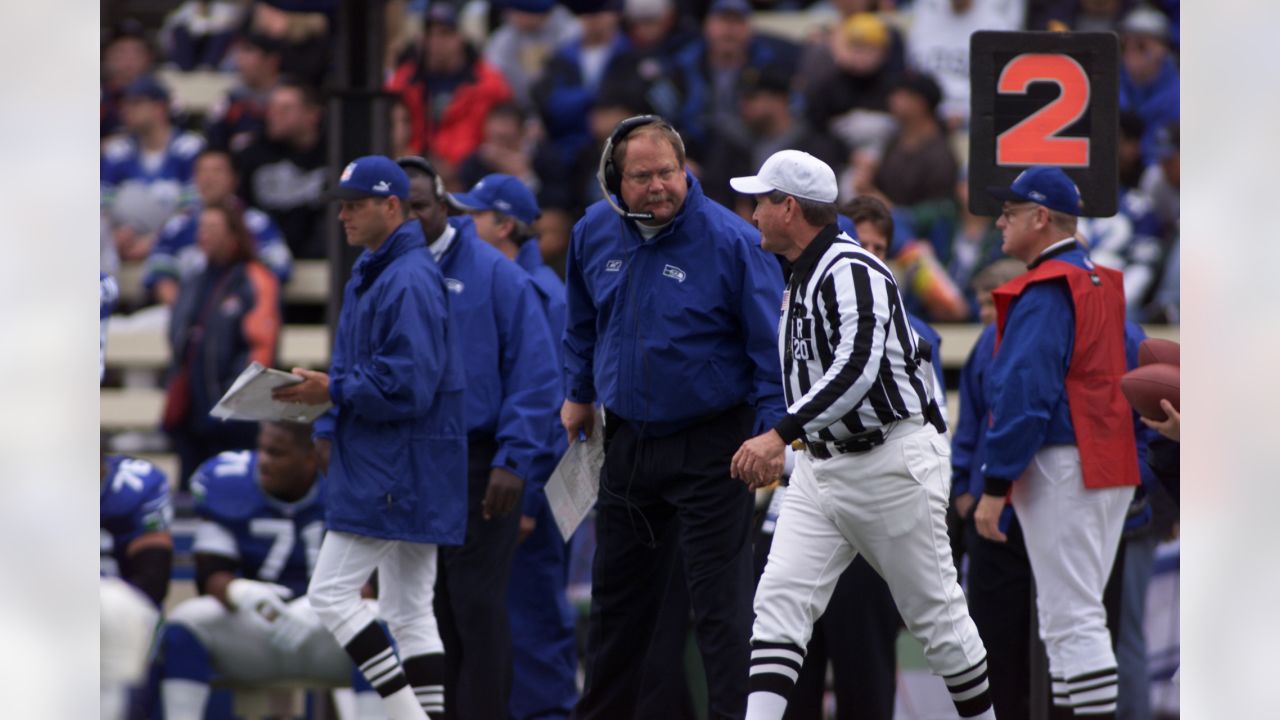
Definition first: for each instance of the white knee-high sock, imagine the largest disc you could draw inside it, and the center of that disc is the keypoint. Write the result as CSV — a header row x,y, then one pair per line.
x,y
184,699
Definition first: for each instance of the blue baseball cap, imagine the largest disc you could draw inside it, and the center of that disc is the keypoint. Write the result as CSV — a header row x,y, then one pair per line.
x,y
146,86
1045,185
501,193
371,176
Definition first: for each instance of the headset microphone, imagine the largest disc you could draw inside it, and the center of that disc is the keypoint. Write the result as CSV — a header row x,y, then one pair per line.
x,y
607,174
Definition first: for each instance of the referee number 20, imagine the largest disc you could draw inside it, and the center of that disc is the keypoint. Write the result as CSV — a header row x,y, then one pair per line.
x,y
1034,140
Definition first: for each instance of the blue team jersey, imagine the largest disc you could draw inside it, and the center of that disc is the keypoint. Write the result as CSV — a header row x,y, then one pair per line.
x,y
168,176
176,254
273,541
134,501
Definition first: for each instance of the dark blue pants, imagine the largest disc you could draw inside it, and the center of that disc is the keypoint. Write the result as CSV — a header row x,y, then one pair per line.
x,y
1002,605
544,683
471,602
648,485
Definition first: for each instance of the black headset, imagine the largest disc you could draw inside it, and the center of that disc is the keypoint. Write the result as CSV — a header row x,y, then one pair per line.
x,y
608,176
422,165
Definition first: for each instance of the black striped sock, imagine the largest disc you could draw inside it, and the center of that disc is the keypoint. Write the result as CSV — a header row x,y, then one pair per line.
x,y
425,674
372,652
775,667
1093,694
969,690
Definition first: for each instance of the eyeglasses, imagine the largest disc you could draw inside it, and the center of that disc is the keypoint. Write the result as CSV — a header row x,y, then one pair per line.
x,y
644,178
1009,213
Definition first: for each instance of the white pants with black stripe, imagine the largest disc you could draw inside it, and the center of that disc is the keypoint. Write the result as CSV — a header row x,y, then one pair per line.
x,y
1072,534
889,504
406,586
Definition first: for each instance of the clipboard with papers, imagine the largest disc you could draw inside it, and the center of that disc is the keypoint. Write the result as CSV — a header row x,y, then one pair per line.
x,y
249,398
575,483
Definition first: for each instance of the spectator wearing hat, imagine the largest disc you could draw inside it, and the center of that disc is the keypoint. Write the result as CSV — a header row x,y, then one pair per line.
x,y
938,44
574,75
393,447
126,56
448,89
765,111
850,97
544,680
283,171
239,118
708,71
153,154
511,399
1149,83
1060,443
528,36
510,148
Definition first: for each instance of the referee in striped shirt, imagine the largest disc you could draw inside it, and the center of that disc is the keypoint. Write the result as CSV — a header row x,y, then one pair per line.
x,y
874,477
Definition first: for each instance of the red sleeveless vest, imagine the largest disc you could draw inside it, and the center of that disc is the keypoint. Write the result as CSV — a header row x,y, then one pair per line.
x,y
1100,416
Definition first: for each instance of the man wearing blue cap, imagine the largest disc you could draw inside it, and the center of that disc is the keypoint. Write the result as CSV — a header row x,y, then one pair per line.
x,y
393,444
511,400
1060,443
544,682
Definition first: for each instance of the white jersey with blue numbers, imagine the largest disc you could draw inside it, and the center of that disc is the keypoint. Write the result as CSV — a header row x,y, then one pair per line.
x,y
272,540
134,501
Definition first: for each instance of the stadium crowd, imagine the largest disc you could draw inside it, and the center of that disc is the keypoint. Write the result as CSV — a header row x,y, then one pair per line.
x,y
216,207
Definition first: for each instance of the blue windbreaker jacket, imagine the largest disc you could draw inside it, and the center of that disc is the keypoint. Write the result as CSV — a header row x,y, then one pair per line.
x,y
513,393
551,293
398,463
673,329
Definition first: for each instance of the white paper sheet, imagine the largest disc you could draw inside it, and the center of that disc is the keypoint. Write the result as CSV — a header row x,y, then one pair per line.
x,y
249,398
572,489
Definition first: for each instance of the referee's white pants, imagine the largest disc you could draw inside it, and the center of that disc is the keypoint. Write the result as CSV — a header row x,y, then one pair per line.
x,y
1071,535
406,586
889,504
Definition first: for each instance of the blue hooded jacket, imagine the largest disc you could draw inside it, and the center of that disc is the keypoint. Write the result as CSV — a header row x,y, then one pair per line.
x,y
398,462
512,392
551,292
670,330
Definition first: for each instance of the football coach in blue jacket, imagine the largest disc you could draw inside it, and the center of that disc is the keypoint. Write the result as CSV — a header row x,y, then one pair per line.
x,y
512,394
394,443
673,312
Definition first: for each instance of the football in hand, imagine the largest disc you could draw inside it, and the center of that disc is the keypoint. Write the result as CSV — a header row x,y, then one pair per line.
x,y
1146,386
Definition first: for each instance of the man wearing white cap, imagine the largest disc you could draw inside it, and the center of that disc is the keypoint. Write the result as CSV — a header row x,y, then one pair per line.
x,y
873,478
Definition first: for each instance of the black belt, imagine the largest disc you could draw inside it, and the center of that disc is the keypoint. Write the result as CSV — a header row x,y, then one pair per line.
x,y
861,442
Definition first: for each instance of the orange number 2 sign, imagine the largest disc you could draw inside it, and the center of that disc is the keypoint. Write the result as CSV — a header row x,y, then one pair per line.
x,y
1033,141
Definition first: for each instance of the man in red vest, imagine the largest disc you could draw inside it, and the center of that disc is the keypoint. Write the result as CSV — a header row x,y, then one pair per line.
x,y
1060,442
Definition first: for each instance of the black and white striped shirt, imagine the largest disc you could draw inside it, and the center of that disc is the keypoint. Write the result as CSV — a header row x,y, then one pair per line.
x,y
850,361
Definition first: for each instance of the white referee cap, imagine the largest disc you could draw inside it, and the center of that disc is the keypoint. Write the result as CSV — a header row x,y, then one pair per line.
x,y
792,172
